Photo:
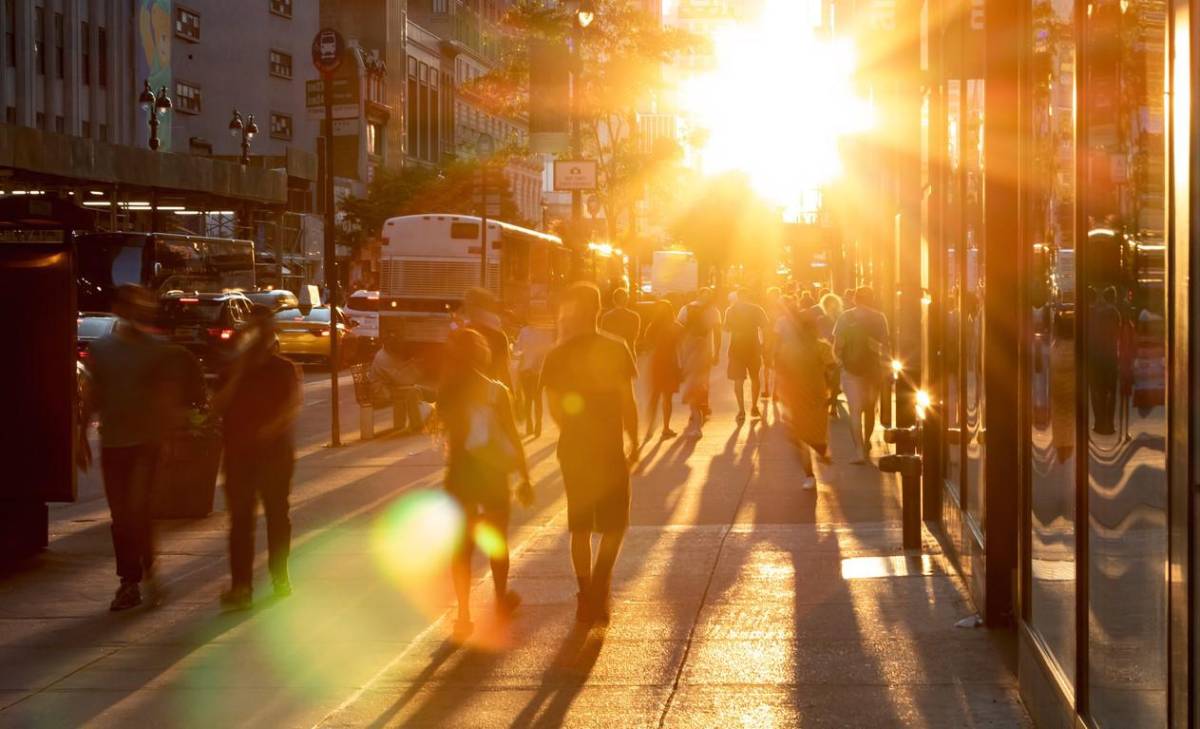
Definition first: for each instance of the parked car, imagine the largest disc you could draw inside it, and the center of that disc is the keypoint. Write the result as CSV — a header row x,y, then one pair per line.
x,y
209,325
91,326
304,334
273,299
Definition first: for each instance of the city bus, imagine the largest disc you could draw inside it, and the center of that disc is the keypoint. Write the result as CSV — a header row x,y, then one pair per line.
x,y
160,261
428,262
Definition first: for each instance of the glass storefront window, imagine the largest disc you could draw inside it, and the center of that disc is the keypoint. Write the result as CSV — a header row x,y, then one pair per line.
x,y
973,298
1125,342
952,236
1050,200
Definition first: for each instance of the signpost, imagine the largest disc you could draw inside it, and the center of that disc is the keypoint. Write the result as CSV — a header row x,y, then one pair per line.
x,y
575,175
328,48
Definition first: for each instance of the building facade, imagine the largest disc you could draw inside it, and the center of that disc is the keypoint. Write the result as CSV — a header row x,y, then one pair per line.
x,y
66,67
1037,253
249,56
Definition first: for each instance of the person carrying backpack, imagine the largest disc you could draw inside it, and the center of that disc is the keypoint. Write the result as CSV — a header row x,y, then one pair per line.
x,y
861,342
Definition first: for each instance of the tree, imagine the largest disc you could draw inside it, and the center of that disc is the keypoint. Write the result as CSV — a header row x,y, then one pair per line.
x,y
619,73
726,222
450,189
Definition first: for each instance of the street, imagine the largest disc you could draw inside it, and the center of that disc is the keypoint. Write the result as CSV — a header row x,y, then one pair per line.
x,y
740,600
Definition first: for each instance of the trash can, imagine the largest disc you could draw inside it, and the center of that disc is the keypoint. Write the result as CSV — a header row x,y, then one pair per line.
x,y
186,481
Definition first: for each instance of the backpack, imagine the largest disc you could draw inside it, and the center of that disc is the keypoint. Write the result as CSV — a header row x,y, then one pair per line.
x,y
859,356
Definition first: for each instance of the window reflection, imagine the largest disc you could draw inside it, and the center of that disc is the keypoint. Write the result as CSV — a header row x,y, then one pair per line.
x,y
972,299
1126,349
1052,371
952,233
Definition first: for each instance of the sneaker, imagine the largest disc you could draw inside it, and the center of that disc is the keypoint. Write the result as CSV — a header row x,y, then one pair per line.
x,y
809,483
508,604
668,434
237,598
129,595
692,432
755,412
155,592
600,612
741,417
282,588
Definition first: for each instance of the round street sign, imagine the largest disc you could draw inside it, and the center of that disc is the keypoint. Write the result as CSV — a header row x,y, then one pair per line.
x,y
327,50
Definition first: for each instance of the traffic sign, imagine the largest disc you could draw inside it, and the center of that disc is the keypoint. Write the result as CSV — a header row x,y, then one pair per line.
x,y
345,92
328,47
580,174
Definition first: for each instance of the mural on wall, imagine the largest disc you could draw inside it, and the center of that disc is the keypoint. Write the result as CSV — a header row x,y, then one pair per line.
x,y
154,55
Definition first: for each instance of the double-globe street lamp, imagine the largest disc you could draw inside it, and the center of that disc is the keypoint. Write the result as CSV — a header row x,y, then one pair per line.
x,y
247,130
157,105
585,15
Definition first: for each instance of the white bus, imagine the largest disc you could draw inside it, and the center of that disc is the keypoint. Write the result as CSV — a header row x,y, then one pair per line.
x,y
429,262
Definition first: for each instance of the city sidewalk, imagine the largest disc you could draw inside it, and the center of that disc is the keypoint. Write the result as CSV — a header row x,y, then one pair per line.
x,y
740,600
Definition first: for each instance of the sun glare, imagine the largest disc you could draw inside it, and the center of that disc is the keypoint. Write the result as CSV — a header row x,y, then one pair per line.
x,y
777,103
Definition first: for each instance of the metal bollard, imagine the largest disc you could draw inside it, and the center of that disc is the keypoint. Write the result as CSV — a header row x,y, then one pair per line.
x,y
366,422
907,463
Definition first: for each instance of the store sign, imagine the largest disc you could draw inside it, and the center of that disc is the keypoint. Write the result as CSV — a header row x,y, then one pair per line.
x,y
571,175
32,236
328,47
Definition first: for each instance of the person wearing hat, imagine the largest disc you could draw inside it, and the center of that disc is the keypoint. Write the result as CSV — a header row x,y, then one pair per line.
x,y
258,402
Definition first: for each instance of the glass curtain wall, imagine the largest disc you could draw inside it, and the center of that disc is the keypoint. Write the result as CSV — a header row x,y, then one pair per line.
x,y
1050,202
1125,344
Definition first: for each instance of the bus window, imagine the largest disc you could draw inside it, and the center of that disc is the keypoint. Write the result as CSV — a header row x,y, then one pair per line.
x,y
464,231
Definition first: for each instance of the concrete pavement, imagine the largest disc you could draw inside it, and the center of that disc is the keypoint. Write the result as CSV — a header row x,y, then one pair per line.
x,y
740,600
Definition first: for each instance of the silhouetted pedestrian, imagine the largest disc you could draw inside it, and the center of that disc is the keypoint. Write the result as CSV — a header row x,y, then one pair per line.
x,y
534,341
623,322
482,313
131,391
665,335
746,323
589,384
484,448
861,339
259,401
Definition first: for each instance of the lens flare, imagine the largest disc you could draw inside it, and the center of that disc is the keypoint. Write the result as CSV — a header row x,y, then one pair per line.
x,y
572,403
417,535
490,540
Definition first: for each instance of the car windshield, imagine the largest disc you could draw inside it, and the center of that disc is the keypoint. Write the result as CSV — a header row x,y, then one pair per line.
x,y
92,327
318,314
191,310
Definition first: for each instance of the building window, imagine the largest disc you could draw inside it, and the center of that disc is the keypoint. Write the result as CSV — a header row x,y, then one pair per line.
x,y
85,59
281,8
40,120
59,57
102,56
187,24
281,64
103,132
10,114
39,39
85,129
60,124
375,136
440,6
187,97
281,126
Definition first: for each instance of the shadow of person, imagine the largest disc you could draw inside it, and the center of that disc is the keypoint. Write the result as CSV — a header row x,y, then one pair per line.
x,y
563,680
436,661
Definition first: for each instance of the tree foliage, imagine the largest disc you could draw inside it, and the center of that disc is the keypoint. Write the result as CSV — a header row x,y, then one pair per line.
x,y
450,189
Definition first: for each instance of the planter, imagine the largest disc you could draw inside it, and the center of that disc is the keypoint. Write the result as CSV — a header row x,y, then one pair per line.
x,y
187,476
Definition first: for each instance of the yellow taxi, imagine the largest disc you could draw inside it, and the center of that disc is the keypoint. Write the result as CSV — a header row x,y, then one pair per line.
x,y
303,334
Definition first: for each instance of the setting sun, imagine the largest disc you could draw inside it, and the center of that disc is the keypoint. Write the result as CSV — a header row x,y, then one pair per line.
x,y
783,132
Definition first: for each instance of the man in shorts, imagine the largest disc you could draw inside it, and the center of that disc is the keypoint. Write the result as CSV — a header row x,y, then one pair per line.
x,y
747,324
588,379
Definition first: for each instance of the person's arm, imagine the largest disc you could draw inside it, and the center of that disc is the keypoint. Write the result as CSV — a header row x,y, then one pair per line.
x,y
629,411
548,384
509,424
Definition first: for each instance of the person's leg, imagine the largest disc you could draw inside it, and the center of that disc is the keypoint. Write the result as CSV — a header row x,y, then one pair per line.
x,y
755,387
870,404
460,573
853,386
652,411
739,392
116,466
806,461
606,559
274,487
240,502
498,518
528,380
538,403
668,406
141,484
581,558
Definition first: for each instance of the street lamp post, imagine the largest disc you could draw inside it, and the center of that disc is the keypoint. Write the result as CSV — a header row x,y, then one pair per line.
x,y
585,15
157,105
246,130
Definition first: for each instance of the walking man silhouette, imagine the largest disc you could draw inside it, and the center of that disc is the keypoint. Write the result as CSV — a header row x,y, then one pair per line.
x,y
588,380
